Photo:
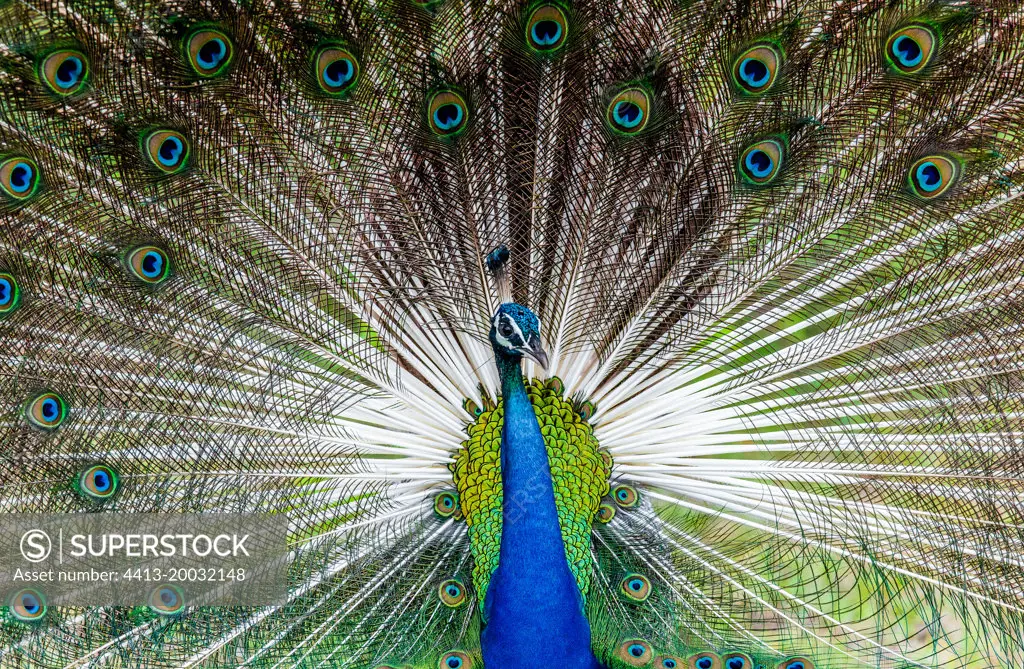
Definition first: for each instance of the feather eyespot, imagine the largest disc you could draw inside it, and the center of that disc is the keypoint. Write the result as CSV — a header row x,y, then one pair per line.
x,y
28,605
547,28
168,150
737,661
19,177
756,69
605,513
796,663
635,588
704,660
455,659
452,593
64,72
10,294
447,113
148,264
472,408
635,652
47,411
629,112
761,162
166,600
209,52
910,49
446,504
667,662
99,482
337,70
625,496
587,410
932,176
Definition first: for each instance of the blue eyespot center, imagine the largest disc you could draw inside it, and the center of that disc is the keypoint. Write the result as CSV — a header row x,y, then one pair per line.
x,y
30,603
454,662
453,591
627,114
21,177
339,72
929,178
5,292
736,663
546,32
754,72
907,51
170,151
636,584
168,597
448,116
152,264
69,72
50,409
669,663
212,53
636,650
101,481
759,163
795,665
704,663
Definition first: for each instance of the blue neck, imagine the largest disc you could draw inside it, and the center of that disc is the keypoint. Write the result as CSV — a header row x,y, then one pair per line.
x,y
534,611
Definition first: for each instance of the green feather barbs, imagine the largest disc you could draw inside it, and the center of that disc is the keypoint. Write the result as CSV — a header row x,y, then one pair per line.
x,y
910,49
547,29
46,411
19,177
628,113
704,660
336,70
210,52
28,605
755,70
148,264
931,176
166,600
446,504
452,593
64,72
98,482
447,113
635,652
455,659
635,588
760,163
737,661
167,150
10,294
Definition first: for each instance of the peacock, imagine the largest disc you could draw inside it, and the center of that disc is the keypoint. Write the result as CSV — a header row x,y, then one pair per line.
x,y
564,334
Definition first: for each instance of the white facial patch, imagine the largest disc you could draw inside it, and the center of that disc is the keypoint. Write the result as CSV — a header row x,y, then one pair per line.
x,y
511,340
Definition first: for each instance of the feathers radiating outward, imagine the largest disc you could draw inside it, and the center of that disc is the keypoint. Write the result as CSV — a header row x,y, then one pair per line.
x,y
772,254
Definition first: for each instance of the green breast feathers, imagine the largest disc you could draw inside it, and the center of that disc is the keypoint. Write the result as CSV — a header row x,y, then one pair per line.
x,y
579,471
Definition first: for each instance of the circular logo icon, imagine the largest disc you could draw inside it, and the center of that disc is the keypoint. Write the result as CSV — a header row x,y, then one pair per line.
x,y
35,545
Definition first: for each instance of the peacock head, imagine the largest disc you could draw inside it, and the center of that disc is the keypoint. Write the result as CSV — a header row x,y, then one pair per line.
x,y
515,332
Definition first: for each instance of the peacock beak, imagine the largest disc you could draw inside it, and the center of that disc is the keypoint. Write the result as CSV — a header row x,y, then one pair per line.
x,y
534,349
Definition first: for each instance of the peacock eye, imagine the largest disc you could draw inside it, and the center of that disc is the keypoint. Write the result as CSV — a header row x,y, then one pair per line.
x,y
168,150
605,513
547,28
47,411
10,294
635,588
669,662
19,177
447,113
64,72
28,605
455,660
629,112
98,482
166,600
625,496
760,163
446,504
704,661
910,49
505,329
452,593
932,176
756,69
148,264
337,70
635,652
737,661
209,52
